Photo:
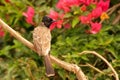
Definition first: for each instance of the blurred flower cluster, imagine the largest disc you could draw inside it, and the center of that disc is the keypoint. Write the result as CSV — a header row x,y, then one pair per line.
x,y
69,13
1,32
7,1
87,12
29,14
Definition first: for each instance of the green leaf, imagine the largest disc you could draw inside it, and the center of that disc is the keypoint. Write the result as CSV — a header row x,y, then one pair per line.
x,y
84,57
62,74
67,15
5,51
75,21
112,51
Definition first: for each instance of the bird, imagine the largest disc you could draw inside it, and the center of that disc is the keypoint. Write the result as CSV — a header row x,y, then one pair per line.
x,y
42,43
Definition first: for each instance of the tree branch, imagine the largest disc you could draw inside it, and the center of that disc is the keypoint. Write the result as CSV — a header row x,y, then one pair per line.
x,y
98,55
70,67
112,9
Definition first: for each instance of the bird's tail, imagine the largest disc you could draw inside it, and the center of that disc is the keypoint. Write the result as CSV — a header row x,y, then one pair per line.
x,y
48,66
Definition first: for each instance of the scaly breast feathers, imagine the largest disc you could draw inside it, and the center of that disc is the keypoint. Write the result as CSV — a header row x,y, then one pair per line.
x,y
42,40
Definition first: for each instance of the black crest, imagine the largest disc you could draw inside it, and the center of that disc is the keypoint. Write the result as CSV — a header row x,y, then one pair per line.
x,y
47,21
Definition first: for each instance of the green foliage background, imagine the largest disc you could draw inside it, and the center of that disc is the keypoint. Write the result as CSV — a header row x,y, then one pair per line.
x,y
17,62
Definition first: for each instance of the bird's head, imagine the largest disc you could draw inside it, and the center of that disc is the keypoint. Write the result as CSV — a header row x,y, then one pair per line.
x,y
47,21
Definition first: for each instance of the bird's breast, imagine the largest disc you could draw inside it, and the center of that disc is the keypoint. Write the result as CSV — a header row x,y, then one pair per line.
x,y
42,40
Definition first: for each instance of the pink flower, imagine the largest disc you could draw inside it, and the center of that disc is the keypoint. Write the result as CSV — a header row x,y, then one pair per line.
x,y
85,19
66,4
96,12
54,15
101,7
57,24
1,32
104,4
63,6
52,26
29,14
67,26
83,8
87,2
71,3
95,28
8,1
58,18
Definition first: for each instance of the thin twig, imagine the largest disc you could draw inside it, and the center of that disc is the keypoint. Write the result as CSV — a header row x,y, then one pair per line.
x,y
91,66
112,9
70,67
98,55
117,18
96,69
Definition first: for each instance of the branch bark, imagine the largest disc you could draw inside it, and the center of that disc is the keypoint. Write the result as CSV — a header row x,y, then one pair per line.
x,y
98,55
70,67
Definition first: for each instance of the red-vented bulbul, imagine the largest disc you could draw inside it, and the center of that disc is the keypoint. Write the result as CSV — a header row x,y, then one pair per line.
x,y
42,43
